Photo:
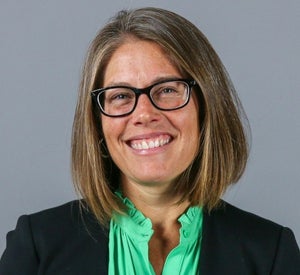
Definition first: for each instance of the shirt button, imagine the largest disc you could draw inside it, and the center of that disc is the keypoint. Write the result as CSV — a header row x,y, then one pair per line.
x,y
186,233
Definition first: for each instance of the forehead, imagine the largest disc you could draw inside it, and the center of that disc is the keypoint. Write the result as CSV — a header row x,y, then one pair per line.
x,y
139,62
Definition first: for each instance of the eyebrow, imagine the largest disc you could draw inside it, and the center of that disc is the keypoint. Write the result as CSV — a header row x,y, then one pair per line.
x,y
156,80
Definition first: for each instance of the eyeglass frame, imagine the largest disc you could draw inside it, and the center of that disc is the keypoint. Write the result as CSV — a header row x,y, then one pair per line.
x,y
138,92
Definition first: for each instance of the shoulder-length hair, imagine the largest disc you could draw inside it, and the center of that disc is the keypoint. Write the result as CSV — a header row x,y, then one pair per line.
x,y
223,149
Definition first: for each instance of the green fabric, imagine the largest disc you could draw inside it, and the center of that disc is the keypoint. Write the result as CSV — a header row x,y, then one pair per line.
x,y
128,244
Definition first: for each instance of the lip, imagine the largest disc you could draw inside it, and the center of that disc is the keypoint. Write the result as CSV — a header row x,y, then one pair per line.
x,y
149,142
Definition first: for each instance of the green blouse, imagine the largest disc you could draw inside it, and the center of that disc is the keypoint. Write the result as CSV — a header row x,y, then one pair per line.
x,y
128,244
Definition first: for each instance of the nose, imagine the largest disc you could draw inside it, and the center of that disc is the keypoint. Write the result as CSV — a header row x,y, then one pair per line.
x,y
145,112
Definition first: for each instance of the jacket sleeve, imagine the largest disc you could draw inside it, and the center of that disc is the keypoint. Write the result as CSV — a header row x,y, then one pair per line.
x,y
19,257
287,259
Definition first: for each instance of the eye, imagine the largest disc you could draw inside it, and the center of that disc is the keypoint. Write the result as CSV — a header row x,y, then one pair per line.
x,y
165,92
168,90
119,96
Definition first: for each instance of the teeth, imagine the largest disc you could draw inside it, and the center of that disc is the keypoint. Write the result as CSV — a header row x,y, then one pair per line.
x,y
145,145
150,144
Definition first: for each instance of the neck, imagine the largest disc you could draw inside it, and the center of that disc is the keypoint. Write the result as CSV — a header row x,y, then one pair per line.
x,y
157,202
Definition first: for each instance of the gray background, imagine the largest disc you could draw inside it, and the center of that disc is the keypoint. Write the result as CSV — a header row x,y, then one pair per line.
x,y
43,44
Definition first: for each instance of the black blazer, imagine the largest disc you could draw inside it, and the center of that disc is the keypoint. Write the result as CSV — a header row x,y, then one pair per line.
x,y
64,240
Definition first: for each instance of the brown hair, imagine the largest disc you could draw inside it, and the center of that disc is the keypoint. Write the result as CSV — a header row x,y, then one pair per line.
x,y
223,150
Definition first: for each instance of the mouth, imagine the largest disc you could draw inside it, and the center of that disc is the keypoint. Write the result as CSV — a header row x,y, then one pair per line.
x,y
150,143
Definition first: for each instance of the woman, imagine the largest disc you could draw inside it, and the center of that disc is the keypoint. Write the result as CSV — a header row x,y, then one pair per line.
x,y
157,139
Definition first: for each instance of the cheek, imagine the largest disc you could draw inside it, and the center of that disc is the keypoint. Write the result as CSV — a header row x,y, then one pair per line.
x,y
107,129
112,129
192,127
104,124
192,117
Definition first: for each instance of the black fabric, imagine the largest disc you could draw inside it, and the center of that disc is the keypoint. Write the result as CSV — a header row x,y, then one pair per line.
x,y
65,240
237,242
57,241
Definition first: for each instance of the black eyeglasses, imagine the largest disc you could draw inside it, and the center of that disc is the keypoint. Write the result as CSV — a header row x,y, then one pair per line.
x,y
167,95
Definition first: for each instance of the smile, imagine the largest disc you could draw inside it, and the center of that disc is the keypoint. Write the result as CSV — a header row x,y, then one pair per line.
x,y
146,144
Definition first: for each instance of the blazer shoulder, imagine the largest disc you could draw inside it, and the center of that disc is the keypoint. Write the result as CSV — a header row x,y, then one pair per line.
x,y
234,217
72,218
61,240
255,243
249,229
66,212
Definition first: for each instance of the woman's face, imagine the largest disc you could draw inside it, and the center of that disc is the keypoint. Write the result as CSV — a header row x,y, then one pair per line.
x,y
174,134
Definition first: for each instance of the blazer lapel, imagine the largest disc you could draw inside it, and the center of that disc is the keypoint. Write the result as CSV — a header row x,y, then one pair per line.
x,y
219,246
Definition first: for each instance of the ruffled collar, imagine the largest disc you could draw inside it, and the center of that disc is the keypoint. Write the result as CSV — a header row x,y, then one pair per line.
x,y
139,228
